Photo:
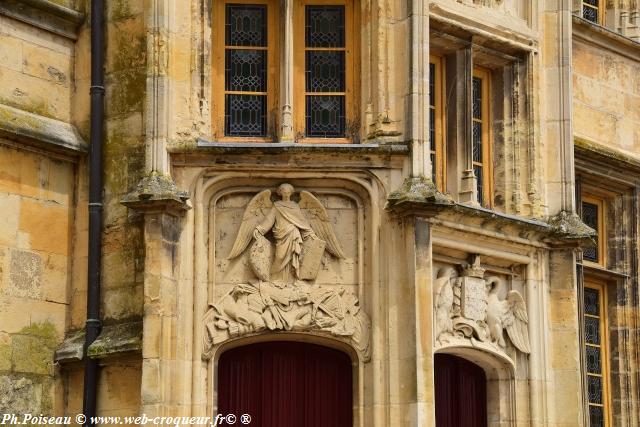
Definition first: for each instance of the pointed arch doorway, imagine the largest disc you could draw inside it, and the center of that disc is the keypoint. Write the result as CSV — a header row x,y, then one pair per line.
x,y
286,384
461,392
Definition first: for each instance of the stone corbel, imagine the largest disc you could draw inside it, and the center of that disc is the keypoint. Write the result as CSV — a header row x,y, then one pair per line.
x,y
157,193
568,230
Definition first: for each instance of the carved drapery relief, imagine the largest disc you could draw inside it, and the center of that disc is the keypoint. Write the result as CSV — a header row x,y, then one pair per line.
x,y
286,242
468,308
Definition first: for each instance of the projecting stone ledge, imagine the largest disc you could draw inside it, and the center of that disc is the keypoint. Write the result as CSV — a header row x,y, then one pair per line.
x,y
44,132
113,340
157,192
568,226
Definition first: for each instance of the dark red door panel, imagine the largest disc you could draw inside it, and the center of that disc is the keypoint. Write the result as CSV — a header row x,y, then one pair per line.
x,y
286,384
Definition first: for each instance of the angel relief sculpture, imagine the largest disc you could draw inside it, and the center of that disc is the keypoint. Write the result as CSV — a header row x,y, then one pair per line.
x,y
469,307
284,296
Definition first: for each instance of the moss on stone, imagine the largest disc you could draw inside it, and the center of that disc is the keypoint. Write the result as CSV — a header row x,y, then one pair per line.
x,y
5,357
418,190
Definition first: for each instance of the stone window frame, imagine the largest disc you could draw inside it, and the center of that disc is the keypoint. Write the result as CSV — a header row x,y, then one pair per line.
x,y
486,119
437,147
286,72
511,104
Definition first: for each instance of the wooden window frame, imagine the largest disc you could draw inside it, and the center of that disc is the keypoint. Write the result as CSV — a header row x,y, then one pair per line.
x,y
218,71
439,114
600,8
601,287
352,81
487,137
602,232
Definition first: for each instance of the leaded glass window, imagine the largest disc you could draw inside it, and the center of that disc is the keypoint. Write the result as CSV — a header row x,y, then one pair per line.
x,y
480,137
594,349
591,215
432,120
325,77
245,70
591,10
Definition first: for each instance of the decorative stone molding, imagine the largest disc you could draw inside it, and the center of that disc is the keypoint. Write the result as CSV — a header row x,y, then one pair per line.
x,y
420,190
569,226
42,131
468,311
284,297
44,14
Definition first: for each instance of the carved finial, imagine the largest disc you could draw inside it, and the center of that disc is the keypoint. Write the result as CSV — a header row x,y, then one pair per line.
x,y
474,269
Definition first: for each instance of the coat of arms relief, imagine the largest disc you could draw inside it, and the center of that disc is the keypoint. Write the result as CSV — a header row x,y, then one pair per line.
x,y
285,241
468,308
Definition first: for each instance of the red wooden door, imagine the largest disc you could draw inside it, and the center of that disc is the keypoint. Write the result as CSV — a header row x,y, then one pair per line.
x,y
286,384
461,393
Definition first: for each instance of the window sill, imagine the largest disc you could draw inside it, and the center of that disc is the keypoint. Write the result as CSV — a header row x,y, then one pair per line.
x,y
280,147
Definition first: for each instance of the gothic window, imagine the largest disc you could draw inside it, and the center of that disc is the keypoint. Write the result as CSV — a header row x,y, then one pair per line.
x,y
324,71
436,121
481,138
245,59
593,216
595,353
592,10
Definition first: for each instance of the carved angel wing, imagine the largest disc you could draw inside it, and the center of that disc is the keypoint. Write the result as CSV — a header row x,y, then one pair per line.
x,y
516,322
255,212
319,221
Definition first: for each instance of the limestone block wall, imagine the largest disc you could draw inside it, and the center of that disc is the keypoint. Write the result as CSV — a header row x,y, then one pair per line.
x,y
606,102
37,199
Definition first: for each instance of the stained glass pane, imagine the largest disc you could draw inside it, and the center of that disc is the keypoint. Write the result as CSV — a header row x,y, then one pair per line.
x,y
432,84
591,301
245,115
590,13
592,330
480,187
325,116
594,386
245,70
432,129
590,217
324,26
477,98
594,364
477,142
246,25
596,416
325,71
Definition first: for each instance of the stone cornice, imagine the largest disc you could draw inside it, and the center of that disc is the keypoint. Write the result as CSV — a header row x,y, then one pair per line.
x,y
280,147
157,193
44,14
605,38
43,132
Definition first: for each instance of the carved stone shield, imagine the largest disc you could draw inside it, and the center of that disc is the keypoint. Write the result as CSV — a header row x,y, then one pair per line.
x,y
473,298
260,257
312,251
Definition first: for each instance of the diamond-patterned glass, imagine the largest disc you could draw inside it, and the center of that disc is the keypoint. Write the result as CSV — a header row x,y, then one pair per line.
x,y
245,115
477,142
592,330
591,301
594,387
324,26
246,70
594,364
477,98
246,25
480,187
590,217
432,84
596,416
325,71
590,10
325,116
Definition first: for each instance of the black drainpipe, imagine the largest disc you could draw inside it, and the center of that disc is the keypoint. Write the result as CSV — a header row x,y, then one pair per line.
x,y
93,324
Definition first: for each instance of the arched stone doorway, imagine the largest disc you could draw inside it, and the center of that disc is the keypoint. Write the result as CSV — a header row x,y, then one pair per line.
x,y
286,384
460,391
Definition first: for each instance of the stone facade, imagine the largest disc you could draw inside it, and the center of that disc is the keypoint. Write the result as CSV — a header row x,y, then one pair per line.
x,y
393,268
